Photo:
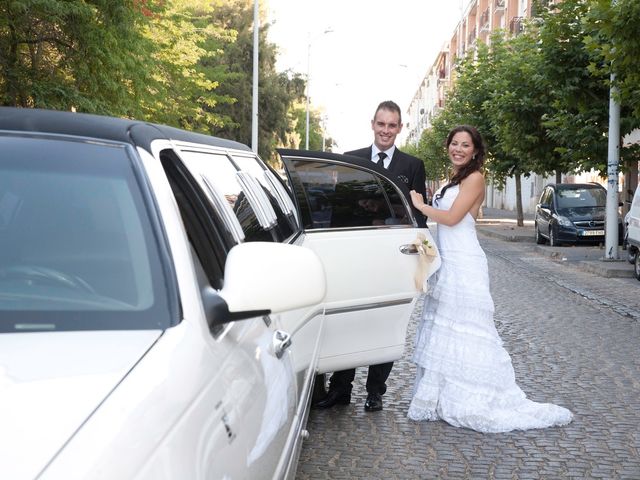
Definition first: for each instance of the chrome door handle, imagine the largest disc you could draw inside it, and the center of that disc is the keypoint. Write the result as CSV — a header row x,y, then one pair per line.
x,y
409,249
281,341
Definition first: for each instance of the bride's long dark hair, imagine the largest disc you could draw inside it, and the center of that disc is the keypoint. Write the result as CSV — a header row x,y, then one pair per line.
x,y
474,165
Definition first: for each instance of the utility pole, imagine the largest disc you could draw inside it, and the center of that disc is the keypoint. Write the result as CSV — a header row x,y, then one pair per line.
x,y
613,159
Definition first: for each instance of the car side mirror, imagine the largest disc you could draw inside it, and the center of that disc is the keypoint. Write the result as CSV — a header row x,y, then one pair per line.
x,y
262,278
544,205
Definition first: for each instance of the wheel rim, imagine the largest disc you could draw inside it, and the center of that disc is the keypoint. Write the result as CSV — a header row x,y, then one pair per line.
x,y
636,264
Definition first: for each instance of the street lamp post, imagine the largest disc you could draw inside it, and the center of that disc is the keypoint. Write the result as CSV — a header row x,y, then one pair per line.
x,y
309,41
254,105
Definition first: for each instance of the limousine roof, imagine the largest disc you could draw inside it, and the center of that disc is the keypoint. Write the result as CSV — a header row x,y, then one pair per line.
x,y
102,127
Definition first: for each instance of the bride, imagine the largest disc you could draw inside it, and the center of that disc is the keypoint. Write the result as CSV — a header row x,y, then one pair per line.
x,y
464,374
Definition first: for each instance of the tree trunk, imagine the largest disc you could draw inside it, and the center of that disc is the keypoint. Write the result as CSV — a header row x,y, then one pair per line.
x,y
519,213
558,176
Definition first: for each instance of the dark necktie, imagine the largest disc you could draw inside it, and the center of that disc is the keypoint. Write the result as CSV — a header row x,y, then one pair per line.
x,y
381,156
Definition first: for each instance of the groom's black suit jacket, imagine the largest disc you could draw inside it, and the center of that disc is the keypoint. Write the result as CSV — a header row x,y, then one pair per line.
x,y
408,169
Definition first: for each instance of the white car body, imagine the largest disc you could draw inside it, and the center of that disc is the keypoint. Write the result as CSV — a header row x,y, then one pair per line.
x,y
219,384
632,221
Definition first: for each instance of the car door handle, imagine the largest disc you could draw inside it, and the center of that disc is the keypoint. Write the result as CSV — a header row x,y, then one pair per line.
x,y
281,341
409,249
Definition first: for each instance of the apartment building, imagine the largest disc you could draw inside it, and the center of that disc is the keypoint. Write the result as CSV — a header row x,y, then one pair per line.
x,y
478,21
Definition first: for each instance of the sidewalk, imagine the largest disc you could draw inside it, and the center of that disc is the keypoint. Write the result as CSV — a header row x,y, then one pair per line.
x,y
502,224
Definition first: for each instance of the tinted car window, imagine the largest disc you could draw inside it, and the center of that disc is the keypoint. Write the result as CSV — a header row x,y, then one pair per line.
x,y
581,197
276,193
76,238
223,175
337,196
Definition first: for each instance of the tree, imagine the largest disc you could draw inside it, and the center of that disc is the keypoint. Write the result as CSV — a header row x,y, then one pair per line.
x,y
613,39
186,42
277,91
577,117
87,55
431,148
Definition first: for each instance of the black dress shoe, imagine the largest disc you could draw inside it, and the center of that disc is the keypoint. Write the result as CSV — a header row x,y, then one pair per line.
x,y
333,398
373,403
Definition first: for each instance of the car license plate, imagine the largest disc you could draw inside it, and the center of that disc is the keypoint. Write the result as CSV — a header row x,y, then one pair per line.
x,y
592,233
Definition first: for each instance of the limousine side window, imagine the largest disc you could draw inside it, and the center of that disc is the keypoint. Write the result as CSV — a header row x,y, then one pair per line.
x,y
208,235
343,196
255,215
276,192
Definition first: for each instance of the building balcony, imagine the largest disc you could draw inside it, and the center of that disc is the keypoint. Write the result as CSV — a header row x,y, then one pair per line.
x,y
484,21
516,25
472,36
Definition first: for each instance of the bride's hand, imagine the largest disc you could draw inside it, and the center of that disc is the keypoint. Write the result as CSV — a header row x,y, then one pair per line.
x,y
417,199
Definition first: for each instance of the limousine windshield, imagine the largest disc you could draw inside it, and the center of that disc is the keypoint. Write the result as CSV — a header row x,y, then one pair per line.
x,y
77,247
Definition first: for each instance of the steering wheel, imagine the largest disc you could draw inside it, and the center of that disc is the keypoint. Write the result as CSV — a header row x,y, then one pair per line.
x,y
33,274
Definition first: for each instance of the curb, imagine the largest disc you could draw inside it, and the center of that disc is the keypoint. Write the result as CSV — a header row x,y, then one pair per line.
x,y
506,236
591,261
617,269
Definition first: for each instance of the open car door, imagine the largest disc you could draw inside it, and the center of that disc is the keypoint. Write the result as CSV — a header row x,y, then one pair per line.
x,y
358,220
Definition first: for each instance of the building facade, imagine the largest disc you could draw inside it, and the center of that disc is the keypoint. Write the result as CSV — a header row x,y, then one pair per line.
x,y
480,19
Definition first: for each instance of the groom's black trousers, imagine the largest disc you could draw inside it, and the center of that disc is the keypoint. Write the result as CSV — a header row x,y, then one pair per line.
x,y
341,381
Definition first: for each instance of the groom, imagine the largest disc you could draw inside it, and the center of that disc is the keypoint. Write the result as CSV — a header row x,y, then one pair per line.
x,y
386,125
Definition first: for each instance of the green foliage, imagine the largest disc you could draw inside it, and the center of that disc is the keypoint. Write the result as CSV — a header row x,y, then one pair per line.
x,y
277,92
431,148
88,55
613,42
577,116
186,63
184,85
613,37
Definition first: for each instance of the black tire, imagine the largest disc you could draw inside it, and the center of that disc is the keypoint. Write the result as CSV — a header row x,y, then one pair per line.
x,y
636,265
540,240
631,254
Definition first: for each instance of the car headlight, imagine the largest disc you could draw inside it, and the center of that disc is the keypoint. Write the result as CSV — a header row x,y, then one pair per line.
x,y
564,221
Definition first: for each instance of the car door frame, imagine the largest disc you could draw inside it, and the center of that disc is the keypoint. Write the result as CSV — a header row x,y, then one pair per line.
x,y
544,211
242,340
357,330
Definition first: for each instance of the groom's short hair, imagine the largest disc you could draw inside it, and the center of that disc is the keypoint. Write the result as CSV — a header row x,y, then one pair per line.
x,y
391,106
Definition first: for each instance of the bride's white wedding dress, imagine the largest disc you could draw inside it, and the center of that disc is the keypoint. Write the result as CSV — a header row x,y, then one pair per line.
x,y
464,374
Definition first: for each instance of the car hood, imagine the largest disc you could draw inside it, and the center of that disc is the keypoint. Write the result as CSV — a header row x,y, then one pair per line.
x,y
583,213
50,383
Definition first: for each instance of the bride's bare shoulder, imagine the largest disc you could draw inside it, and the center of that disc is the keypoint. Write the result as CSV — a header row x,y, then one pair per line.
x,y
474,180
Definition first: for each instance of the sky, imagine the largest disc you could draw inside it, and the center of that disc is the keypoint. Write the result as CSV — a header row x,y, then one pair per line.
x,y
376,50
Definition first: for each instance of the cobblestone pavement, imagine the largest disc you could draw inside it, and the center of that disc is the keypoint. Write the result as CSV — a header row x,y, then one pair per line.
x,y
574,339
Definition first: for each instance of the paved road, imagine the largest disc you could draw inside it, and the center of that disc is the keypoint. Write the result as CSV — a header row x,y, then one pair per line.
x,y
574,339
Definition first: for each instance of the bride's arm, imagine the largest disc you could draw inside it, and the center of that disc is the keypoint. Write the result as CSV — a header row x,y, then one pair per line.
x,y
471,189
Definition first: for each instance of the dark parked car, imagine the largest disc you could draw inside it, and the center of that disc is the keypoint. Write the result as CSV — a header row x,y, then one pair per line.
x,y
572,213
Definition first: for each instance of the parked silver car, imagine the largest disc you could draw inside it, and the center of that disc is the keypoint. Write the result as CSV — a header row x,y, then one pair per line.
x,y
632,233
166,300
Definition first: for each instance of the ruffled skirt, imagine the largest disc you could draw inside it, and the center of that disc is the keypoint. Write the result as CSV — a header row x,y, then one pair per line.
x,y
464,374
